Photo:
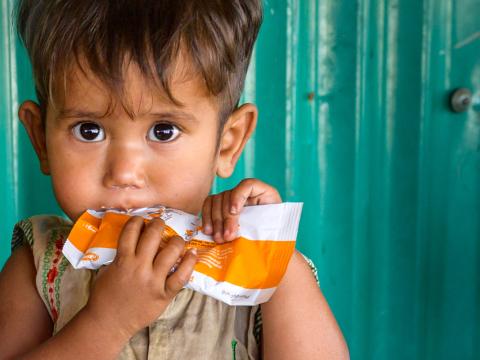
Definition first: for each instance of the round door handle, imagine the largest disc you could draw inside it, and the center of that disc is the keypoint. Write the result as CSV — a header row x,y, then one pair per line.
x,y
460,100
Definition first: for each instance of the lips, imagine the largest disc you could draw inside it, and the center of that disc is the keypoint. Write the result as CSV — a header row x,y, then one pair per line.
x,y
128,207
117,207
124,204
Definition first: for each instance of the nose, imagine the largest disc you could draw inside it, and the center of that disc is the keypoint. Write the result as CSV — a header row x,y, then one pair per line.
x,y
124,168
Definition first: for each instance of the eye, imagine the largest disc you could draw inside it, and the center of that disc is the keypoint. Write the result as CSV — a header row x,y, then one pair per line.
x,y
88,132
163,132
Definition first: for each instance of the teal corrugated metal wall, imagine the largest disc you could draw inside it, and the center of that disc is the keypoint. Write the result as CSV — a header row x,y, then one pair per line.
x,y
354,121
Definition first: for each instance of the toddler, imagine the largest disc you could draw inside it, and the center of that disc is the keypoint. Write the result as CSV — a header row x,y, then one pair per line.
x,y
138,105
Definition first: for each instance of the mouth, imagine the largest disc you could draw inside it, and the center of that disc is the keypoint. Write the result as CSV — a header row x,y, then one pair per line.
x,y
129,208
149,212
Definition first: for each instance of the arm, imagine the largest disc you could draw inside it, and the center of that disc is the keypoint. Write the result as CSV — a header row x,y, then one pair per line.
x,y
26,327
294,326
24,320
128,294
297,321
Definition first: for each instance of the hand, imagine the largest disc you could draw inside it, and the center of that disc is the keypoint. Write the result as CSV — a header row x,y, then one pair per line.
x,y
137,287
221,211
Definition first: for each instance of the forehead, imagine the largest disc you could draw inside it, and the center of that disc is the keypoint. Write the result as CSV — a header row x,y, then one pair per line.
x,y
135,94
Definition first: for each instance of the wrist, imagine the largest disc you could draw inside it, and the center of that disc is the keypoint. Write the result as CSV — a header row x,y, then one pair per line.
x,y
107,324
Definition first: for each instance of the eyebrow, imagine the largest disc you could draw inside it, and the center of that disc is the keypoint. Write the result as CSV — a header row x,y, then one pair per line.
x,y
75,113
175,114
84,114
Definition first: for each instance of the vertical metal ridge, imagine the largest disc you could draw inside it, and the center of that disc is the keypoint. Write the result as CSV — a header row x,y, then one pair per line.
x,y
448,8
290,96
360,344
326,86
436,226
378,179
14,105
391,56
422,244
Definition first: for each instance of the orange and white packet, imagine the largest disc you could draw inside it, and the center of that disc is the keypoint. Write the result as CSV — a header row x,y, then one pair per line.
x,y
245,271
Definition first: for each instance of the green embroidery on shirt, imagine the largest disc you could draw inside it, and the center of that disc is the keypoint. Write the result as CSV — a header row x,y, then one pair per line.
x,y
61,269
234,346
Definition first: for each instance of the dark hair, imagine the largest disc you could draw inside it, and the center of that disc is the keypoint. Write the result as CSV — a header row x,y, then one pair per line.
x,y
217,36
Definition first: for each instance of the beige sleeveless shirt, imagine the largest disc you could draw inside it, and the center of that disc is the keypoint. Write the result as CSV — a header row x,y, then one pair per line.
x,y
193,326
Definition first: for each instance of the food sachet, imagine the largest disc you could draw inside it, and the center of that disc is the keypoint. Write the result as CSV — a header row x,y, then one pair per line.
x,y
245,271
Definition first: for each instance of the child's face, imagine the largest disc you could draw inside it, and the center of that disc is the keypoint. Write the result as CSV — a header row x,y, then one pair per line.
x,y
166,154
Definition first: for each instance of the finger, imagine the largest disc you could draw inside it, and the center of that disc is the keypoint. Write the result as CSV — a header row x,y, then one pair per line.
x,y
127,242
150,240
181,277
217,218
230,221
241,194
206,216
253,192
168,256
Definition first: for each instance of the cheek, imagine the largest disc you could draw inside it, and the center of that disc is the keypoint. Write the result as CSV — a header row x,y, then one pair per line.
x,y
72,183
185,182
72,193
70,169
67,199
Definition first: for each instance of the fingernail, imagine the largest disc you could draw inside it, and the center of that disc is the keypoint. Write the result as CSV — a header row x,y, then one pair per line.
x,y
226,234
193,251
233,210
207,229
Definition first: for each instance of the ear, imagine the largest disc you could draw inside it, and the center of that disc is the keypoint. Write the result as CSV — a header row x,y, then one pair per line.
x,y
31,118
236,132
